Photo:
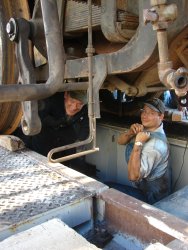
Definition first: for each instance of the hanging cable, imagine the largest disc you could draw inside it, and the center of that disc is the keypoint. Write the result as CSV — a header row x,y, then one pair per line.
x,y
180,168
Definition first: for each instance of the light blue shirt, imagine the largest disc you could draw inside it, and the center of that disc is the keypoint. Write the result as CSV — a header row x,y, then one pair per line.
x,y
154,157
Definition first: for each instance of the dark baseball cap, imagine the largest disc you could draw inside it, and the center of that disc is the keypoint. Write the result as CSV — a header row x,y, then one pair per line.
x,y
80,95
156,104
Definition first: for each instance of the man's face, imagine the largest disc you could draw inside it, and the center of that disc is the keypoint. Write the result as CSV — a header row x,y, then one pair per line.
x,y
72,106
151,119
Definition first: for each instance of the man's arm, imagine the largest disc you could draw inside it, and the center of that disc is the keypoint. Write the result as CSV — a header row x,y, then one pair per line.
x,y
134,163
124,138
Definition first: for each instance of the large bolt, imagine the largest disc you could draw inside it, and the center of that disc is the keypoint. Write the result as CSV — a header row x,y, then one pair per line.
x,y
149,16
183,100
12,29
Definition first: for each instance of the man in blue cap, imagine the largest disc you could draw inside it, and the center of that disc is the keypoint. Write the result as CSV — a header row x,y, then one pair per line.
x,y
148,158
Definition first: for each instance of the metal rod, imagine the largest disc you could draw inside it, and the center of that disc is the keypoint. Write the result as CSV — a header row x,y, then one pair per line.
x,y
90,51
74,86
29,92
70,157
154,89
92,119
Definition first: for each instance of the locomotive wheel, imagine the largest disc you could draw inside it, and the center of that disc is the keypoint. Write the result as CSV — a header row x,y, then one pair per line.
x,y
10,113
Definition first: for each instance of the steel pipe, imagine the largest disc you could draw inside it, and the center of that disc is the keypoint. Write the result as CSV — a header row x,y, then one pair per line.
x,y
176,79
163,46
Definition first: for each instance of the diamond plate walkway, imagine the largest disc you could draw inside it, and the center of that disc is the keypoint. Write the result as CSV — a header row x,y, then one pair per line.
x,y
33,191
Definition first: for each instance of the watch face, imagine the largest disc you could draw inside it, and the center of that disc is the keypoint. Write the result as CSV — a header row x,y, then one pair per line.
x,y
138,143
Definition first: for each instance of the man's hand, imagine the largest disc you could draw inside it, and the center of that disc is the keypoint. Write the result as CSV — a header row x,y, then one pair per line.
x,y
135,129
124,138
142,137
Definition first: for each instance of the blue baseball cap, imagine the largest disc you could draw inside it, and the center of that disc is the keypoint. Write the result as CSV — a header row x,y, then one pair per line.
x,y
156,104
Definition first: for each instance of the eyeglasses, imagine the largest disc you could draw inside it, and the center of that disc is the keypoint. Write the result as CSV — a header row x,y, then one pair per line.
x,y
149,113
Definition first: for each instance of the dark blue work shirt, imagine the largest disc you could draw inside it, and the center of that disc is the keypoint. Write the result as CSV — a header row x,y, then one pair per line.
x,y
58,129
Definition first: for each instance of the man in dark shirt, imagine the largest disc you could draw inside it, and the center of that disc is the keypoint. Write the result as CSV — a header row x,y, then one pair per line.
x,y
64,118
64,121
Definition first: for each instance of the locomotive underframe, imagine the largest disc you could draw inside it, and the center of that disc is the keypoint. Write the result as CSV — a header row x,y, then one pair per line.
x,y
136,77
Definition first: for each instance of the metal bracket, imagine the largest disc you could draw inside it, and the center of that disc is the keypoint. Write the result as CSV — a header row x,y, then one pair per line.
x,y
19,31
109,25
56,60
100,76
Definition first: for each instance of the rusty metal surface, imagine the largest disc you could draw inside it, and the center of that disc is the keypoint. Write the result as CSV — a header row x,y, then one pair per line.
x,y
112,28
28,188
140,56
179,49
129,215
76,16
121,4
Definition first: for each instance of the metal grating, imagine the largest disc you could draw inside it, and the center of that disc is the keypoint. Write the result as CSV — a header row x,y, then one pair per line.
x,y
76,17
28,188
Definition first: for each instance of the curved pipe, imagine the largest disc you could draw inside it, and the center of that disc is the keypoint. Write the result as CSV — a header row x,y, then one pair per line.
x,y
75,145
176,79
56,59
163,14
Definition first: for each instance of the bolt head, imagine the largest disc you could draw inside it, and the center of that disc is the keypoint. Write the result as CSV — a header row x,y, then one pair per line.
x,y
183,101
11,29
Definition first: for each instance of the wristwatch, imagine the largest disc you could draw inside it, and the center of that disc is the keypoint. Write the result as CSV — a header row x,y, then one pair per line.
x,y
139,143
